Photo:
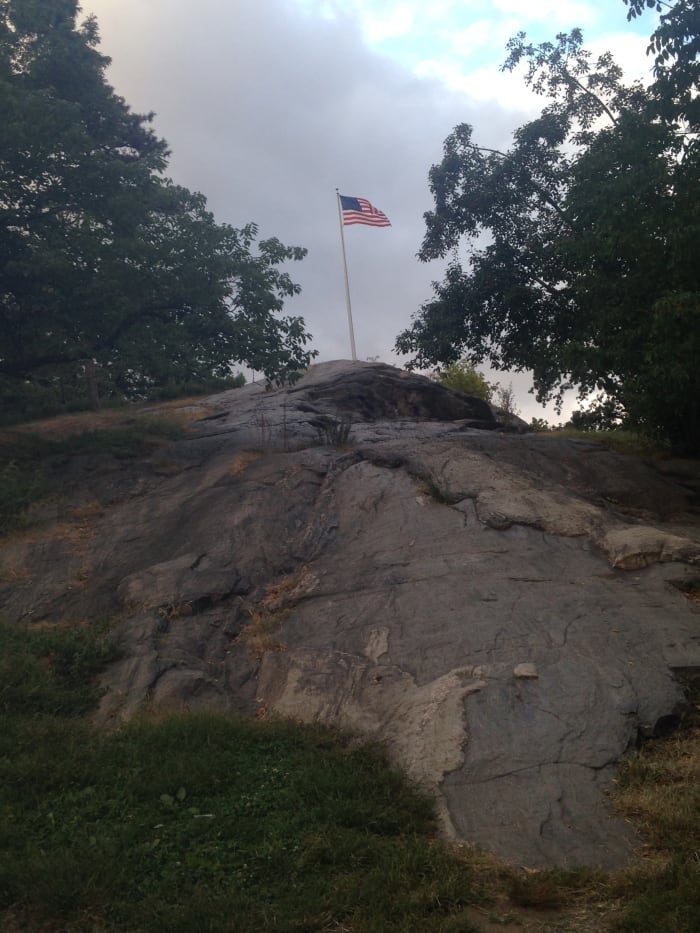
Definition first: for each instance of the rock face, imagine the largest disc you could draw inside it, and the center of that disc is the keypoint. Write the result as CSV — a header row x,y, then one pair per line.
x,y
505,612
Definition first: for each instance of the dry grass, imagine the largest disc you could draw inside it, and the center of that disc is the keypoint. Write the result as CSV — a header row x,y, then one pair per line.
x,y
62,426
241,462
271,610
531,901
286,593
31,456
59,427
75,529
75,526
14,569
190,404
176,610
660,792
260,632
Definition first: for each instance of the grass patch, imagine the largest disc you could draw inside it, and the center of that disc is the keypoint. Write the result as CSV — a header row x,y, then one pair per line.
x,y
659,791
620,440
207,822
123,441
199,822
202,822
51,671
28,458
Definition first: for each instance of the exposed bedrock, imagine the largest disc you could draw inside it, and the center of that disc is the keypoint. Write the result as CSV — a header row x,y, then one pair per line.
x,y
504,611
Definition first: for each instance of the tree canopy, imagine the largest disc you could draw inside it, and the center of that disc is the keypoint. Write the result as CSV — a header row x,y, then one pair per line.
x,y
582,263
102,257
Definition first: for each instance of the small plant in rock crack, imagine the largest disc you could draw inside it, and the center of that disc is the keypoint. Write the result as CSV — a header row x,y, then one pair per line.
x,y
264,428
335,432
438,491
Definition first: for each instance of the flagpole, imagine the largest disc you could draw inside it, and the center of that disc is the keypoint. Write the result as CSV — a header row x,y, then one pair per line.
x,y
347,283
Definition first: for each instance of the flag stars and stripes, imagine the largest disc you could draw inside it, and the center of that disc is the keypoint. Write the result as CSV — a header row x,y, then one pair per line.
x,y
360,211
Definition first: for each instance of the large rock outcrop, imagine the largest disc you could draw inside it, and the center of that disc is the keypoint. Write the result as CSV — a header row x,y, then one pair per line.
x,y
505,611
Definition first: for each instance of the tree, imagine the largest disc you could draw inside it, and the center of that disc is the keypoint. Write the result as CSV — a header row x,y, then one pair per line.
x,y
101,257
675,45
583,241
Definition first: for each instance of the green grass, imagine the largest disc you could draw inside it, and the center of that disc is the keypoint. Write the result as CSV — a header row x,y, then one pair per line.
x,y
51,671
620,440
26,461
201,822
206,822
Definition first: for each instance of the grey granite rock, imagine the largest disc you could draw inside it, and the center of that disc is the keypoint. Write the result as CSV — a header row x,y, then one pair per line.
x,y
503,611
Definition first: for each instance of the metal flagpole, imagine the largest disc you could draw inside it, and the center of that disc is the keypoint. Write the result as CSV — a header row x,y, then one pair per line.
x,y
347,284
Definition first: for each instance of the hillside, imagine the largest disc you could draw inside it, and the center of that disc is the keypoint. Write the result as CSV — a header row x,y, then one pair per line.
x,y
507,613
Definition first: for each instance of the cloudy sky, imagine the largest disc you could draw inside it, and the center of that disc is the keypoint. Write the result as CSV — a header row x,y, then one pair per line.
x,y
270,105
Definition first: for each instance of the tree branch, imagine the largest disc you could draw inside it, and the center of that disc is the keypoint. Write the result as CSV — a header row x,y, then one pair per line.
x,y
586,90
540,190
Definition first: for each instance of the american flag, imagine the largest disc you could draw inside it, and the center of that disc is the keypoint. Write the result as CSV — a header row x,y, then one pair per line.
x,y
360,211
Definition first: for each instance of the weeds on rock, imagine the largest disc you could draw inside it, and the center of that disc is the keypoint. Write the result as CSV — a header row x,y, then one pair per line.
x,y
334,432
268,614
260,632
263,426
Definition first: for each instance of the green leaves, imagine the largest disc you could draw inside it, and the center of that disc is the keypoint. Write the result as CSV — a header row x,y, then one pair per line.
x,y
462,377
101,258
578,236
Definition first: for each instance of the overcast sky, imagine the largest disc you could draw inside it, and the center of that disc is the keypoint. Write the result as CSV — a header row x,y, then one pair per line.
x,y
270,105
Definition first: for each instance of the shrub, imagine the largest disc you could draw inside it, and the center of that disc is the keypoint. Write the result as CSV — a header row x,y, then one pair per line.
x,y
462,377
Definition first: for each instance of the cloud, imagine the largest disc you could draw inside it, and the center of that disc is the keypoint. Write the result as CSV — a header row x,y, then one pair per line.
x,y
268,107
555,14
267,113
